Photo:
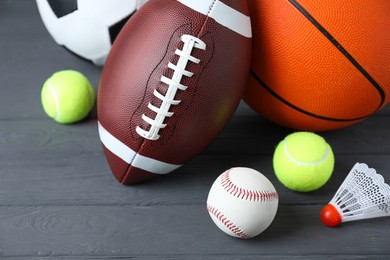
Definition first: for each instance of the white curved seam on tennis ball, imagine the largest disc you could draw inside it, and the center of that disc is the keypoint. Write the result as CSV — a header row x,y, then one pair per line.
x,y
299,163
55,96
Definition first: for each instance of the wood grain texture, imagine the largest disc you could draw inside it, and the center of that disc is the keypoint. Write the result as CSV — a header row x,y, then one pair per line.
x,y
67,163
59,200
175,231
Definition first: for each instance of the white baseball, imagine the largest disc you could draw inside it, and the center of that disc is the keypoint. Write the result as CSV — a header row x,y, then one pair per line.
x,y
242,202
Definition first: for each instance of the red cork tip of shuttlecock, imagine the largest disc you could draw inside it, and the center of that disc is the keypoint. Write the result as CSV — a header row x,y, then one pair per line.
x,y
330,216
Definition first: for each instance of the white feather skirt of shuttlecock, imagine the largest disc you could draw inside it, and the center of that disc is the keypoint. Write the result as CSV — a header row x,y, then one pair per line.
x,y
363,194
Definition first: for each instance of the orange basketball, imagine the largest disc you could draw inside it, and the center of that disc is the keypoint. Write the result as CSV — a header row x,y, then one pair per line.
x,y
319,65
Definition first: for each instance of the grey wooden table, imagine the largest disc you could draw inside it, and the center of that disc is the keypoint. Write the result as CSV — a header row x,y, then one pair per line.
x,y
58,199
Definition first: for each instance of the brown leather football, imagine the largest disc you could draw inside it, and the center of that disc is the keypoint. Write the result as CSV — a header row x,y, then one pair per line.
x,y
173,79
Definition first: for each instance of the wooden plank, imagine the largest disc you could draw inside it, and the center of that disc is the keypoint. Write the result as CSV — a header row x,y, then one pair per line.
x,y
211,257
87,180
177,232
55,164
244,135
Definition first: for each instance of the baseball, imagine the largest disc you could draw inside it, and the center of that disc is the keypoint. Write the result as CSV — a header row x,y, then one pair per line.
x,y
242,202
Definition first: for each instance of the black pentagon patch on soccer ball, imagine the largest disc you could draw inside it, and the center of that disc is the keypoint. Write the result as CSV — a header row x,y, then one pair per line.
x,y
63,7
116,28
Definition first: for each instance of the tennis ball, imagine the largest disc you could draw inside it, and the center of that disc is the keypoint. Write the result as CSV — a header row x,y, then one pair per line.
x,y
67,96
303,161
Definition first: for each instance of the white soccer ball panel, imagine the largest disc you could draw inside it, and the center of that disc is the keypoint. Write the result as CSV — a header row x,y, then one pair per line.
x,y
50,20
140,3
84,36
108,12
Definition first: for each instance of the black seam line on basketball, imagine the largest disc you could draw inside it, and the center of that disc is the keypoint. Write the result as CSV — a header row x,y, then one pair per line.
x,y
341,49
273,93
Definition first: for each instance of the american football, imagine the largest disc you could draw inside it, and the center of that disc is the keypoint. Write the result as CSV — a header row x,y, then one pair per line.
x,y
173,79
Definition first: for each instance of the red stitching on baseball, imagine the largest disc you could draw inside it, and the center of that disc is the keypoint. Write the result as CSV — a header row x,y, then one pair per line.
x,y
258,196
233,228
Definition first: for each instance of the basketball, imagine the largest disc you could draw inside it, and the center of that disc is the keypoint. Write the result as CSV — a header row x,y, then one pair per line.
x,y
319,65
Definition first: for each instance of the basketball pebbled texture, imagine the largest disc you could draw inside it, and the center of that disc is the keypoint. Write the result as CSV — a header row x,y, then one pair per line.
x,y
173,79
319,65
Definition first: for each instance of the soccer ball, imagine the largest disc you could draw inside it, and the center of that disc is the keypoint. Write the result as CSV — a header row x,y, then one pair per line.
x,y
87,28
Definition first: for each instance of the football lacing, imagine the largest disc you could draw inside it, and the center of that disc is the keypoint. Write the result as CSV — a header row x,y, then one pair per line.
x,y
168,100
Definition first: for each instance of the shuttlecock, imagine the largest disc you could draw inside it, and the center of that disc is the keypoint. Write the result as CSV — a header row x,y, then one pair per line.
x,y
363,194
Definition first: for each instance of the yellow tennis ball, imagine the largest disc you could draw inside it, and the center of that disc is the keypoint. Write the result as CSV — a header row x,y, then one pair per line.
x,y
303,161
67,96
